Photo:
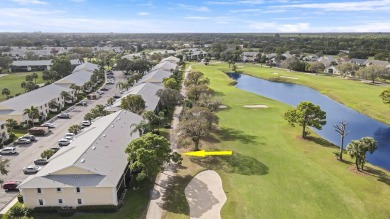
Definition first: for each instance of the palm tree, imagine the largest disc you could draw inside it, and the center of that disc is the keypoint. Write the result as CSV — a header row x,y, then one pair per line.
x,y
53,104
111,101
74,129
32,113
89,116
142,127
4,165
35,77
99,111
23,85
65,95
10,124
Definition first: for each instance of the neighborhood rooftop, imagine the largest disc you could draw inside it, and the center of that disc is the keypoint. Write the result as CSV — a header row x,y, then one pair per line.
x,y
96,156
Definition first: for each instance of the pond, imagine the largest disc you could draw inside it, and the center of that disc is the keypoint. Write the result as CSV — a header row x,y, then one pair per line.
x,y
358,126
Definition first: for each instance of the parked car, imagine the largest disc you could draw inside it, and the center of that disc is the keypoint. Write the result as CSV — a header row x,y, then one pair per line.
x,y
72,135
31,137
85,123
31,169
81,103
100,92
8,150
117,96
63,116
48,124
63,142
110,82
104,89
22,141
40,161
11,185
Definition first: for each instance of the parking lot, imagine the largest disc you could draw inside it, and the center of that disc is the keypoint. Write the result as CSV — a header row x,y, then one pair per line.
x,y
26,154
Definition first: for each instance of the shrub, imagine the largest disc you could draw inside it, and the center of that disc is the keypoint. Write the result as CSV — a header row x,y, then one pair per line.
x,y
16,211
233,83
27,212
20,198
17,94
97,208
47,209
66,211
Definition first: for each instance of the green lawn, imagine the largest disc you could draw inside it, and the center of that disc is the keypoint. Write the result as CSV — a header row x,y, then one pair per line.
x,y
12,82
362,97
273,173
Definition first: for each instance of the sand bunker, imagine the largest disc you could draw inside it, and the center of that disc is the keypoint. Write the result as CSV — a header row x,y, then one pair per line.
x,y
255,106
288,77
222,107
275,73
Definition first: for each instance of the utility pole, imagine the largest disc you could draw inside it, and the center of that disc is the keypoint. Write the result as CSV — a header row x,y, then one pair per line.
x,y
341,130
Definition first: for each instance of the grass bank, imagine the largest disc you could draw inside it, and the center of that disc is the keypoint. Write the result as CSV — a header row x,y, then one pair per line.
x,y
12,82
357,95
273,173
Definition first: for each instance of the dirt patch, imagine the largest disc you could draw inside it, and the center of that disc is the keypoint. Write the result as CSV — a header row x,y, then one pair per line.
x,y
256,106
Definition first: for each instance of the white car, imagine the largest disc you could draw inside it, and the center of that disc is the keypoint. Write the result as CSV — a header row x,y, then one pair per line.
x,y
69,135
23,141
64,142
48,124
31,169
100,92
86,123
8,150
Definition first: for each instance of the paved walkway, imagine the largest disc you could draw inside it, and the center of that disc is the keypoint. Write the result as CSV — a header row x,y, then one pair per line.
x,y
205,195
164,178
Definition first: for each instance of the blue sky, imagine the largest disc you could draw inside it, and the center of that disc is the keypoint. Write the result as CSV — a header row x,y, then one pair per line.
x,y
172,16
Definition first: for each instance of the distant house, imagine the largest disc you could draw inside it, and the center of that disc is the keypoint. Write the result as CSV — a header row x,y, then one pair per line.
x,y
36,65
358,61
310,58
92,171
343,59
327,60
132,56
249,56
331,70
377,62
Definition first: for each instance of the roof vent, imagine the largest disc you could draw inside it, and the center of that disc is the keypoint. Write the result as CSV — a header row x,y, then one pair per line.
x,y
106,146
112,126
82,160
93,148
104,135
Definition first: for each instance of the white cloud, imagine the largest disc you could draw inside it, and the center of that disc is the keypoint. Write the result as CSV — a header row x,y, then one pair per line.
x,y
26,12
195,8
143,13
197,18
258,10
77,0
342,6
271,27
29,2
254,2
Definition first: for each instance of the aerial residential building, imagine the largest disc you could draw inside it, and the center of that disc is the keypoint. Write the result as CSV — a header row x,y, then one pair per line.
x,y
166,66
148,94
171,59
249,56
156,77
36,65
92,170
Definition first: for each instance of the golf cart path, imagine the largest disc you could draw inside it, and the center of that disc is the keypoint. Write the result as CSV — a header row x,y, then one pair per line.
x,y
155,208
205,195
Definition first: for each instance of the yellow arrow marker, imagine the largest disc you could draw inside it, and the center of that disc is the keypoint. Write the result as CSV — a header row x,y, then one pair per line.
x,y
204,153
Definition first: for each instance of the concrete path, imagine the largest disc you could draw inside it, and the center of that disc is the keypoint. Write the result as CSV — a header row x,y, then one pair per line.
x,y
205,195
163,179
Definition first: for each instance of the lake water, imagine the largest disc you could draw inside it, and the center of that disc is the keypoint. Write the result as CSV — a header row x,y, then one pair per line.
x,y
359,125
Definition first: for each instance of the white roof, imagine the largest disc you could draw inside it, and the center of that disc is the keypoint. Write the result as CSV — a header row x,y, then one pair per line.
x,y
147,92
155,76
165,66
97,156
86,66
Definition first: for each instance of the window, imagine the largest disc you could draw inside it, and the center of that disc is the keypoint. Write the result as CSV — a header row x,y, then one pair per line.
x,y
2,126
40,201
79,201
78,189
39,190
58,189
45,104
60,201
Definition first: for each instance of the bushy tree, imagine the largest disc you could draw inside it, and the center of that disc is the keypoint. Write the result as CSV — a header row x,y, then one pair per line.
x,y
196,78
306,114
62,66
372,72
194,92
74,128
315,67
170,97
47,154
133,103
148,154
358,149
346,68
